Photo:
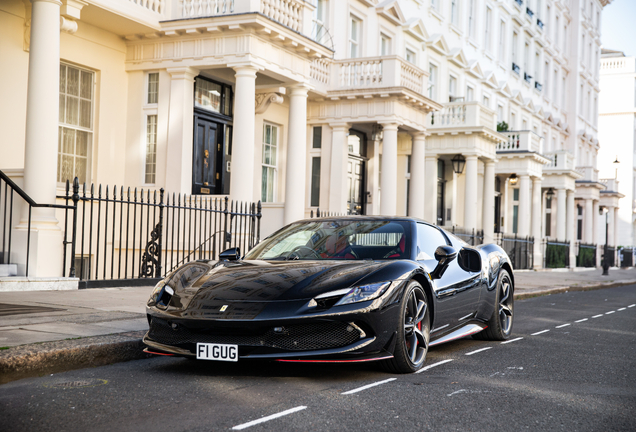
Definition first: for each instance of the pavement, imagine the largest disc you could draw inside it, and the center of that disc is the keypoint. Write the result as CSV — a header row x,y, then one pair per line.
x,y
45,332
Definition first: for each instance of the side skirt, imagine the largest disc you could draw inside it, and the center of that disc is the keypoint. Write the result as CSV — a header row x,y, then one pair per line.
x,y
461,332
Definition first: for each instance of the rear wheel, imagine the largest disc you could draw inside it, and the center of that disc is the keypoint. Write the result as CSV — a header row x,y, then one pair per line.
x,y
413,333
500,323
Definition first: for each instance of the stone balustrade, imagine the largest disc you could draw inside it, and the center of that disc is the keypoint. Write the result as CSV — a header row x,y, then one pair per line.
x,y
618,65
521,141
560,160
610,184
470,114
589,173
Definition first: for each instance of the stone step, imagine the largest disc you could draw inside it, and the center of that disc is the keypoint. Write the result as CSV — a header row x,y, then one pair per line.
x,y
8,270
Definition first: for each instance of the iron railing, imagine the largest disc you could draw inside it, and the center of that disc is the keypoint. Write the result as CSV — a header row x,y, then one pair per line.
x,y
586,256
326,214
520,250
556,254
472,237
611,255
125,237
8,191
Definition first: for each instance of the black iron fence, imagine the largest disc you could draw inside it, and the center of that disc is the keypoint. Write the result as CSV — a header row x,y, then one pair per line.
x,y
472,237
326,214
13,200
129,235
519,249
556,254
611,255
586,256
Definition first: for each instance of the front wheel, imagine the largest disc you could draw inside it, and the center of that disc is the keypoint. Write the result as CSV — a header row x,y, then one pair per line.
x,y
413,333
500,323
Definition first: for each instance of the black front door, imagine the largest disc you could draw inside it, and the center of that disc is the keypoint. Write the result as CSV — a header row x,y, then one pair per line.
x,y
210,157
355,177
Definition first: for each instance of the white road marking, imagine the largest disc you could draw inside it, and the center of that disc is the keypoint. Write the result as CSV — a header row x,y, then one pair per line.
x,y
609,313
511,340
538,333
597,316
563,325
368,386
458,391
621,309
631,305
433,365
268,418
477,351
581,320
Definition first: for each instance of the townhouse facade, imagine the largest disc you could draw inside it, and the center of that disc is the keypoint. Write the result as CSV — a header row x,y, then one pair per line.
x,y
479,114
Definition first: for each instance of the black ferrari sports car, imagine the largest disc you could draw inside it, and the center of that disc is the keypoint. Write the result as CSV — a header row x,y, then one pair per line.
x,y
343,289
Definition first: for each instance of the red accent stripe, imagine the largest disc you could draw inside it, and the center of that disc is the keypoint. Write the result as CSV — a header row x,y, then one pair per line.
x,y
157,353
334,361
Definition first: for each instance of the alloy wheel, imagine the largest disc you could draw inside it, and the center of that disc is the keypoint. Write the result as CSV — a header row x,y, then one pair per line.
x,y
415,328
505,306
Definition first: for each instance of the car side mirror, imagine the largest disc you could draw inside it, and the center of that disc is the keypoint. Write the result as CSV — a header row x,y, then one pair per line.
x,y
444,256
232,254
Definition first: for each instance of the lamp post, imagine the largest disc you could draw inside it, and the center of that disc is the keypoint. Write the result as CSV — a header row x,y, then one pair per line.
x,y
606,249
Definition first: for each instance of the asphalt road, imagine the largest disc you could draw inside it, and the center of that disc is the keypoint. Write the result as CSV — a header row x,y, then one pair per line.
x,y
569,366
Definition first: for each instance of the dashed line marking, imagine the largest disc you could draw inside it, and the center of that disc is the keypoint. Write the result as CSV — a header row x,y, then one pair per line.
x,y
631,305
512,340
368,386
621,309
609,313
581,320
478,351
563,325
433,365
538,333
270,417
597,316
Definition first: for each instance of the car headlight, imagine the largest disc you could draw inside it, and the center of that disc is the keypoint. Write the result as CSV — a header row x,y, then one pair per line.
x,y
162,293
355,294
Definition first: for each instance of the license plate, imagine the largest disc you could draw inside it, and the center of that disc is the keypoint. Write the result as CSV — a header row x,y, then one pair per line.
x,y
220,352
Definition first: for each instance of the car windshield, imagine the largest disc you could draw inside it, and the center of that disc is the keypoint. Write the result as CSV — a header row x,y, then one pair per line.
x,y
337,240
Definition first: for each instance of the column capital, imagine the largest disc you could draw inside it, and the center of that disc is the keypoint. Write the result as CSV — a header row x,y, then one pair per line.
x,y
340,126
390,125
418,135
300,89
71,8
247,68
183,73
57,2
431,156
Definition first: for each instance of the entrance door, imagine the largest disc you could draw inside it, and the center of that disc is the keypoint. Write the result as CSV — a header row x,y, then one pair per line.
x,y
207,155
356,168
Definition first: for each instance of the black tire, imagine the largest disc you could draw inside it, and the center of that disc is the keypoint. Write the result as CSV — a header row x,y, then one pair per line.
x,y
413,333
500,323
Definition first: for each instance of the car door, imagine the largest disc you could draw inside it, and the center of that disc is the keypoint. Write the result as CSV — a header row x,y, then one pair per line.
x,y
457,291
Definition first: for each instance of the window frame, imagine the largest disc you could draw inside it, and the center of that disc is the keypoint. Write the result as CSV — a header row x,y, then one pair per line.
x,y
267,167
351,42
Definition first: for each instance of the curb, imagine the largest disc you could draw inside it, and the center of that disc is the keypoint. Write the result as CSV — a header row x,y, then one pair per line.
x,y
562,289
53,357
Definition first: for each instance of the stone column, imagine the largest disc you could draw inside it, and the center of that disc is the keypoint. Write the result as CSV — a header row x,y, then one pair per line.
x,y
488,211
418,178
41,144
595,236
243,133
180,130
536,222
561,214
296,155
611,226
570,228
614,233
523,228
589,220
338,174
430,193
470,193
388,200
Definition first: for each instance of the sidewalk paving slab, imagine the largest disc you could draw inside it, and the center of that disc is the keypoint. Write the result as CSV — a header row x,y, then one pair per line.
x,y
101,326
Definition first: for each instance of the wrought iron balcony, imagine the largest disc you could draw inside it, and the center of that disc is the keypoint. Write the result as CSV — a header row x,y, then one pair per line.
x,y
521,141
538,86
515,68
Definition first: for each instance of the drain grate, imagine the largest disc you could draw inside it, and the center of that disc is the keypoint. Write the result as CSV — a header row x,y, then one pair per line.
x,y
15,309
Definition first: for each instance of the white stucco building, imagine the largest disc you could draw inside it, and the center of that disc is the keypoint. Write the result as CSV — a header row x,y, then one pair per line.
x,y
356,106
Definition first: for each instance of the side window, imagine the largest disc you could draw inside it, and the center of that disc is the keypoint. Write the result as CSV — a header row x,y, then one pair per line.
x,y
428,239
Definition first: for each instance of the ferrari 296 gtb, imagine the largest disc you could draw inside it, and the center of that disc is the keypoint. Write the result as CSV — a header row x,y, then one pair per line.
x,y
343,289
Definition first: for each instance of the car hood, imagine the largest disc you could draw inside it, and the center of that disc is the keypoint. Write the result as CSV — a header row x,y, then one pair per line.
x,y
266,281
